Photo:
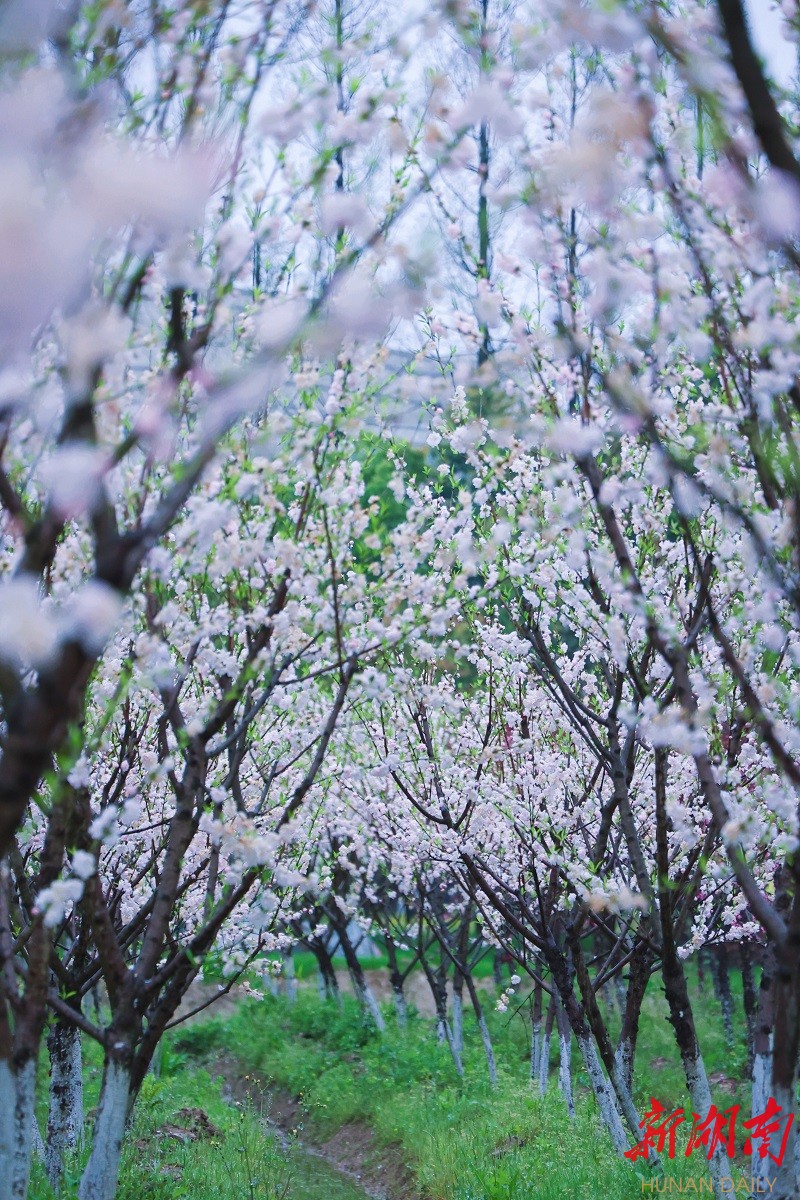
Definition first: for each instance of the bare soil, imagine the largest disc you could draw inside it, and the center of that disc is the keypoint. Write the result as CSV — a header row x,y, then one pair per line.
x,y
379,1171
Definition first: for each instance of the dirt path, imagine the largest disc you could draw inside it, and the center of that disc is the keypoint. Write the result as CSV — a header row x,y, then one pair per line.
x,y
348,1165
350,1157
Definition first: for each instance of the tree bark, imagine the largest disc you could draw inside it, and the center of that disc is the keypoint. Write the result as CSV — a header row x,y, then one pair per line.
x,y
99,1181
638,978
720,978
604,1093
564,1059
681,1016
327,971
23,1118
437,982
458,1010
484,1029
536,1030
786,1048
544,1058
65,1113
750,999
397,984
576,1014
363,991
8,1101
603,1041
762,1055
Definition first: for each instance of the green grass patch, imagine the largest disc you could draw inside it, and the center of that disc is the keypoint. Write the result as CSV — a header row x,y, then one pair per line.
x,y
461,1139
188,1142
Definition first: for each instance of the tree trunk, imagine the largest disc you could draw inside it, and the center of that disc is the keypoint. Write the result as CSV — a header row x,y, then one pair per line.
x,y
603,1042
762,1039
372,1007
397,984
437,982
65,1114
327,971
444,1033
400,1006
99,1181
604,1093
639,976
8,1101
458,1010
750,998
564,1059
681,1016
576,1014
720,977
21,1095
536,1030
488,1049
363,991
785,1049
544,1060
38,1144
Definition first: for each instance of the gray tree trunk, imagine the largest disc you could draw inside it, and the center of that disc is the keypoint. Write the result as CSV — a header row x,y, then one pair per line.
x,y
623,1060
544,1057
65,1114
373,1008
99,1180
564,1060
458,1020
488,1049
444,1027
289,976
700,1096
8,1101
400,1007
23,1122
536,1048
604,1094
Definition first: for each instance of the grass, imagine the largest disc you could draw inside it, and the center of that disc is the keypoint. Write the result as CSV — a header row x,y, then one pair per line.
x,y
189,1143
461,1142
459,1139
